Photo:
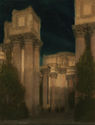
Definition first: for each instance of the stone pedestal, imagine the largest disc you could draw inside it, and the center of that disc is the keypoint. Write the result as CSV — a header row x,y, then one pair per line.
x,y
29,81
53,76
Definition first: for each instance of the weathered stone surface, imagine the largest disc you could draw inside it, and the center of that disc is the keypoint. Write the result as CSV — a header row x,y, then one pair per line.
x,y
84,23
28,80
16,57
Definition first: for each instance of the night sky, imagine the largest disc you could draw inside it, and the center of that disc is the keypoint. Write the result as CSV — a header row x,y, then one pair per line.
x,y
57,18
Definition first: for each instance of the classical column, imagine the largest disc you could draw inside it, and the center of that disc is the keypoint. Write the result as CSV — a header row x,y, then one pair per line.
x,y
68,77
16,56
37,45
80,40
45,72
70,89
28,80
22,66
53,76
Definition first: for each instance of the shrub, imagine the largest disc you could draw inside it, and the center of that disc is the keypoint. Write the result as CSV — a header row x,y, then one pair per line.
x,y
85,110
12,105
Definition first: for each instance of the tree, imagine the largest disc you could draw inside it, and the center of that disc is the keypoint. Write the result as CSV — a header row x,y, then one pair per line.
x,y
86,72
12,105
85,110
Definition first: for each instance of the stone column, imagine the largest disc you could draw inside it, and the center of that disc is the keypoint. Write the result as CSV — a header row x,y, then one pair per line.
x,y
67,94
16,56
22,66
36,74
53,76
29,81
80,40
70,89
45,72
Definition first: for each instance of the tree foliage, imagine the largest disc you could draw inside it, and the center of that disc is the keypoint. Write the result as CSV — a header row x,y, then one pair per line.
x,y
12,105
85,108
86,71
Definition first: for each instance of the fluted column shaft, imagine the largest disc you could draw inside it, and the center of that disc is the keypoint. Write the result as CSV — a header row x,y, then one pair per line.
x,y
16,56
53,77
45,90
36,74
29,81
45,73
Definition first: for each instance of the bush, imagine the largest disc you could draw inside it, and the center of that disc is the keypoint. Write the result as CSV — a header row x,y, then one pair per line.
x,y
85,87
12,105
85,110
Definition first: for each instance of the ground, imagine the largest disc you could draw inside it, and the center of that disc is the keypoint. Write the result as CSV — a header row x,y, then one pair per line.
x,y
45,118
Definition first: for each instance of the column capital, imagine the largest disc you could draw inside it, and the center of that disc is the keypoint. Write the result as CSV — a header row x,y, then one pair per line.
x,y
45,70
28,41
80,30
53,75
6,47
91,28
37,43
61,70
